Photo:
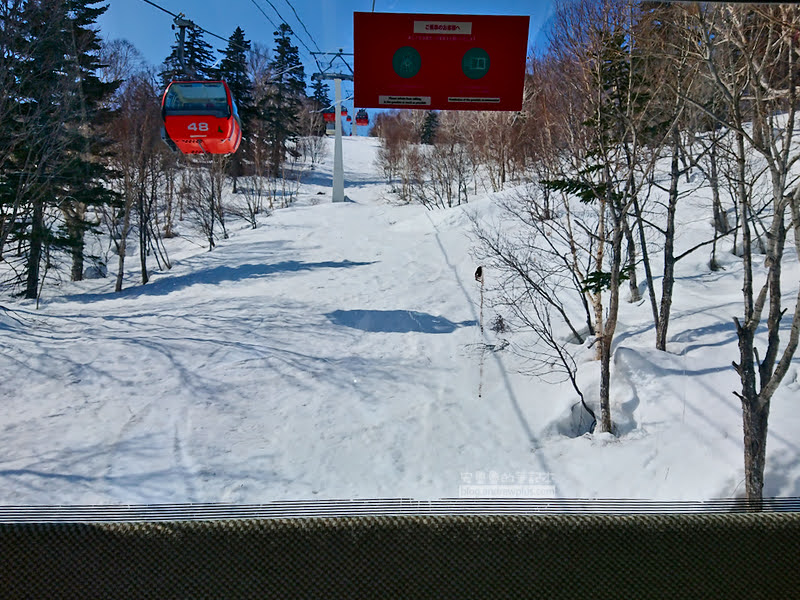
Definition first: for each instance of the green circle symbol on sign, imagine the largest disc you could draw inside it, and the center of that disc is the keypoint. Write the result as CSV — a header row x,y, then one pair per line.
x,y
406,62
475,63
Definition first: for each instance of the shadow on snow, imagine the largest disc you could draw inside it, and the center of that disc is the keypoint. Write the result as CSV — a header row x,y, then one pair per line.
x,y
395,321
163,285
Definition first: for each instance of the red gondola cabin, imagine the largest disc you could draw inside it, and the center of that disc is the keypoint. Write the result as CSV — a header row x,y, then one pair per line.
x,y
362,118
200,117
329,115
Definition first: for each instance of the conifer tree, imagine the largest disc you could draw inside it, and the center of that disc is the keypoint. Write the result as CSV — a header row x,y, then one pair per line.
x,y
197,56
61,111
429,127
11,62
321,93
320,100
233,69
283,103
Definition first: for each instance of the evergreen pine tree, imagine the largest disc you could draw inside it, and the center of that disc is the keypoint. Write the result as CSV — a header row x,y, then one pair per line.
x,y
85,170
61,109
233,69
320,96
429,126
197,56
11,73
283,103
320,100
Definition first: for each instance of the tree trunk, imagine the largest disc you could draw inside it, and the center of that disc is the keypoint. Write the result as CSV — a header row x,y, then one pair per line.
x,y
610,327
668,282
755,404
121,249
776,241
143,238
75,230
755,420
597,297
755,430
605,383
212,212
35,250
648,271
217,175
633,282
720,217
169,195
76,273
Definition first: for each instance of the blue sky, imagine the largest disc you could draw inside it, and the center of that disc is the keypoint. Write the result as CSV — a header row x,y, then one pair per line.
x,y
330,22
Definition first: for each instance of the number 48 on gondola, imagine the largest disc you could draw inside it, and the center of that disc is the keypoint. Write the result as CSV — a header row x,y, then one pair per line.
x,y
200,117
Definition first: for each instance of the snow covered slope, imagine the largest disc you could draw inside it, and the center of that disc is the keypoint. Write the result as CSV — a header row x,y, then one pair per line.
x,y
334,352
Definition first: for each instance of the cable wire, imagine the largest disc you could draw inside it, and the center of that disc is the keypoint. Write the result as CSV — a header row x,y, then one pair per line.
x,y
266,16
196,26
263,13
303,25
299,39
161,8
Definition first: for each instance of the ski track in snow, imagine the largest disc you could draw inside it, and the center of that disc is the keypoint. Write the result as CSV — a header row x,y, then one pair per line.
x,y
333,353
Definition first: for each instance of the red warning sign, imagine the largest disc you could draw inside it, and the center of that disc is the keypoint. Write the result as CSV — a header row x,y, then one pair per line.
x,y
453,62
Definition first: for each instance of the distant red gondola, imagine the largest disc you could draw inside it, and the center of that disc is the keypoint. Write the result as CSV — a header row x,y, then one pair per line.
x,y
362,118
200,117
329,115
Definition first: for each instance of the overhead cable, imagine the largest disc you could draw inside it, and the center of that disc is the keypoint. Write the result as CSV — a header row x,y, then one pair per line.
x,y
196,26
303,25
299,39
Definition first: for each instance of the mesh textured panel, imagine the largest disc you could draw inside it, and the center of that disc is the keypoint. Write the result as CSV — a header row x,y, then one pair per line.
x,y
552,556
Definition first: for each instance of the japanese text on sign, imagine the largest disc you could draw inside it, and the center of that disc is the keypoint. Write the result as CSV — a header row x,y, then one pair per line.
x,y
443,27
439,62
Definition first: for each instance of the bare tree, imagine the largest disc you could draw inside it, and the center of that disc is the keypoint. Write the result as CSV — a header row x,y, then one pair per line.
x,y
496,142
137,161
203,195
314,148
255,190
664,48
752,59
607,162
310,144
448,163
217,172
121,60
396,132
539,286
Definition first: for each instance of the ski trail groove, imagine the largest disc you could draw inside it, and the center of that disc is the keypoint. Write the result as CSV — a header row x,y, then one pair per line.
x,y
532,440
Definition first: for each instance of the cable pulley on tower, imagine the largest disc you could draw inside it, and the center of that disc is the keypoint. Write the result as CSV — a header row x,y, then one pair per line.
x,y
200,116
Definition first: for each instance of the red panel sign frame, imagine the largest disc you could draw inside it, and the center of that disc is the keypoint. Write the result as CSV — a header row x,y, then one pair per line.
x,y
439,62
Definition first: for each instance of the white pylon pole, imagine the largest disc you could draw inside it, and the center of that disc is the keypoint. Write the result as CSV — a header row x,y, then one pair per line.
x,y
338,163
